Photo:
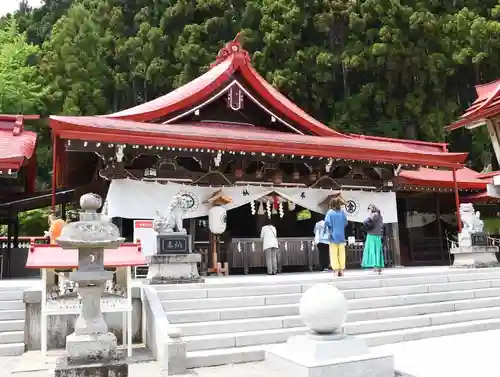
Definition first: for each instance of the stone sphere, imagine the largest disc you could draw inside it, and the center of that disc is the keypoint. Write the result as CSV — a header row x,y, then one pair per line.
x,y
323,308
90,202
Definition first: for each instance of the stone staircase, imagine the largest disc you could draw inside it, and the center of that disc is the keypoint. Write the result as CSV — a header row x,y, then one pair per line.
x,y
232,321
12,321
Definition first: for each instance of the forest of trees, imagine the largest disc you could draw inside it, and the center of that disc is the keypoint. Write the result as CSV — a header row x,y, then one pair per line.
x,y
399,68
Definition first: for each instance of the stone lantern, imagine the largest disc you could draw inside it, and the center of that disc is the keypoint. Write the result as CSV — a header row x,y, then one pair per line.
x,y
91,342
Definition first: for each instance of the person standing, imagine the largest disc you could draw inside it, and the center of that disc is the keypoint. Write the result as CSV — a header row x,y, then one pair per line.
x,y
335,224
56,226
373,253
270,245
321,242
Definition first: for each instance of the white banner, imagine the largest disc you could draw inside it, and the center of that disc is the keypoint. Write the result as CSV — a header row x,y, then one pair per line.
x,y
140,200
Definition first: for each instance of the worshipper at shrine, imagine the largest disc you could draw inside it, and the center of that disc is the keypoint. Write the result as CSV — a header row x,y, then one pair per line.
x,y
56,226
335,224
373,254
269,237
321,242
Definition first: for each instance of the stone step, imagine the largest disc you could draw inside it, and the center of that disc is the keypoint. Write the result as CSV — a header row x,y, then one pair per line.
x,y
12,314
385,296
438,302
12,349
290,327
11,295
243,354
354,279
8,337
12,325
166,293
11,305
262,322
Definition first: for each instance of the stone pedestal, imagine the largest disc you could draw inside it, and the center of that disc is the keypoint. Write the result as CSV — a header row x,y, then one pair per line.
x,y
174,269
475,256
326,351
329,355
116,367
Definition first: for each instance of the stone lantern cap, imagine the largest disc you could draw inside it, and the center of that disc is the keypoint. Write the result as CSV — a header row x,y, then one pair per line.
x,y
92,231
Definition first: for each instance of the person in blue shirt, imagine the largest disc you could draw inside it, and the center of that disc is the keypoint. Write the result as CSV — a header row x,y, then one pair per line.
x,y
335,223
321,241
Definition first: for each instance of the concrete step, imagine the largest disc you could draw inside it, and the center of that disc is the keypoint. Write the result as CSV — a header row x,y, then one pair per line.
x,y
290,326
12,325
233,355
12,349
384,296
12,314
263,322
11,305
352,280
8,337
369,283
11,295
361,308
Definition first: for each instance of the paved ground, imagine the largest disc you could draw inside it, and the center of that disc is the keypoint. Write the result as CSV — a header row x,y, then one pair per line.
x,y
463,355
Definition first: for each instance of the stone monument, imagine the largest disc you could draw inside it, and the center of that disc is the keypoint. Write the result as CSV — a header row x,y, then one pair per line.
x,y
91,350
473,249
173,262
326,350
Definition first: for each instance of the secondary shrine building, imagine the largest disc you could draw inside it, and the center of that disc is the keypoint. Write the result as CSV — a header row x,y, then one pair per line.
x,y
229,129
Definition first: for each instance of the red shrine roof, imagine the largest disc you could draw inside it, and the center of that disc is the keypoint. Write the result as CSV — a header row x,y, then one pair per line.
x,y
467,179
53,256
230,60
248,139
137,124
485,106
16,144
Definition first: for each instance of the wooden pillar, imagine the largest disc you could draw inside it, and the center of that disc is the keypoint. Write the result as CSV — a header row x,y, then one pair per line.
x,y
395,244
439,226
457,199
54,170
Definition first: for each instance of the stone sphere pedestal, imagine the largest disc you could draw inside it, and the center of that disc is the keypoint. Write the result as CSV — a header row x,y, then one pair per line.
x,y
326,350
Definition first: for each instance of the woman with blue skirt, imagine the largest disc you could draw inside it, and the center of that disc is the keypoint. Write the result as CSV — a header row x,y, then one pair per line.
x,y
373,253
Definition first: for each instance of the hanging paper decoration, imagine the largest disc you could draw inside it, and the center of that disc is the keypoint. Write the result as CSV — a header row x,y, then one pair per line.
x,y
239,247
286,246
261,209
302,246
253,246
268,209
252,207
276,202
217,216
282,213
291,206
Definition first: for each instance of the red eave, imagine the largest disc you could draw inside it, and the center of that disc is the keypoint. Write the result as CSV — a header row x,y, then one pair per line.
x,y
16,144
486,105
231,58
53,256
417,144
249,140
466,178
480,197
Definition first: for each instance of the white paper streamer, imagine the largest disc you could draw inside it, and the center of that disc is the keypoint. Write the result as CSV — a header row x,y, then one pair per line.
x,y
268,209
252,207
282,213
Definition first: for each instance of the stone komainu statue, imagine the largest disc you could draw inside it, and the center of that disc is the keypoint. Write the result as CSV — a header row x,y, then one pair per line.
x,y
471,219
172,221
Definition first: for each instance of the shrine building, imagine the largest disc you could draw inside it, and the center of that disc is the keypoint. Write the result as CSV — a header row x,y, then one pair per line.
x,y
231,130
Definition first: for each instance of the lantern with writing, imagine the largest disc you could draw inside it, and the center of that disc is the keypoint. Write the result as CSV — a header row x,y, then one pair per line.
x,y
217,215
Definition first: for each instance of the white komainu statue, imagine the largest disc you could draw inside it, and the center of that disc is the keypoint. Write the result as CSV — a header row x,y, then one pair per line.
x,y
472,223
172,222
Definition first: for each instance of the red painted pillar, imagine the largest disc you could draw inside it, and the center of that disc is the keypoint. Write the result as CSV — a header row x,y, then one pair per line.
x,y
457,199
54,170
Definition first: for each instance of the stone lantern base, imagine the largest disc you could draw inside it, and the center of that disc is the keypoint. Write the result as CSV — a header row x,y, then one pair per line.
x,y
329,355
475,256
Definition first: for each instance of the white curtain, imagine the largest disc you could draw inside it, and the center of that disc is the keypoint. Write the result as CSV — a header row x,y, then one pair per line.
x,y
140,200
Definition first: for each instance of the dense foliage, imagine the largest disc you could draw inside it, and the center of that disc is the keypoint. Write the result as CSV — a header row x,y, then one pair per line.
x,y
400,68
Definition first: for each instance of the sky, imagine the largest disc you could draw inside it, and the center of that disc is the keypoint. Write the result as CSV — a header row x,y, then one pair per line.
x,y
8,6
